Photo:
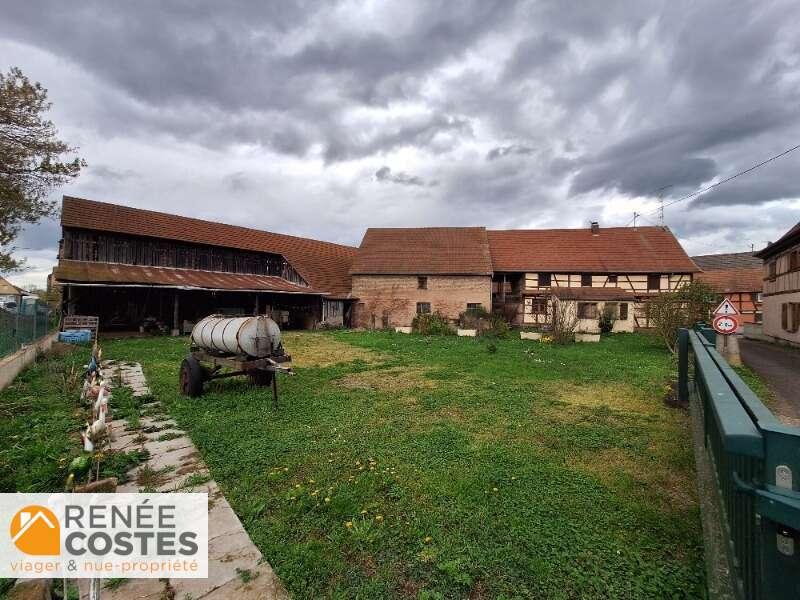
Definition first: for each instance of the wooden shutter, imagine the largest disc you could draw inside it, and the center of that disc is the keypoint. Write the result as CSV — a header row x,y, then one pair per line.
x,y
785,316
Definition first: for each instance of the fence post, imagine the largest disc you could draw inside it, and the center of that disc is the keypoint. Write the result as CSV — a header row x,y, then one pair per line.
x,y
683,365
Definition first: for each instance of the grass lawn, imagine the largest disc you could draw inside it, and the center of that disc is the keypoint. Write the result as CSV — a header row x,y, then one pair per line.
x,y
404,466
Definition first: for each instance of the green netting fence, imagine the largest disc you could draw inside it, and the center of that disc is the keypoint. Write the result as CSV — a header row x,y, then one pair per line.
x,y
23,327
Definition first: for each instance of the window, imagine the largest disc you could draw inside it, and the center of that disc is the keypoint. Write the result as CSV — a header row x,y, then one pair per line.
x,y
611,309
423,308
612,279
422,283
623,311
586,280
654,282
772,269
587,310
790,316
794,260
544,280
758,297
536,306
759,317
474,306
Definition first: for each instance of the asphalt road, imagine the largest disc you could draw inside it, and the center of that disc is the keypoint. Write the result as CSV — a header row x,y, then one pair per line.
x,y
780,368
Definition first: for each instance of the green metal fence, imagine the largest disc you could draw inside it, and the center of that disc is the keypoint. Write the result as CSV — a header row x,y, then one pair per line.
x,y
23,327
757,465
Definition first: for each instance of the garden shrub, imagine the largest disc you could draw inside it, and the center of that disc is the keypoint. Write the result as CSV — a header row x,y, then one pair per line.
x,y
432,324
606,319
484,322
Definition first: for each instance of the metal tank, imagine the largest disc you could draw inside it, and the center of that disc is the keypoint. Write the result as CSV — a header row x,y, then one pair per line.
x,y
258,337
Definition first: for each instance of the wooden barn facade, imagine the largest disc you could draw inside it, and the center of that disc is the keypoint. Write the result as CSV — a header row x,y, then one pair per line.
x,y
139,269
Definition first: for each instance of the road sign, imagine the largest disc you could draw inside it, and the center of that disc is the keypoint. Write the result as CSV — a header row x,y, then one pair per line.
x,y
726,307
725,324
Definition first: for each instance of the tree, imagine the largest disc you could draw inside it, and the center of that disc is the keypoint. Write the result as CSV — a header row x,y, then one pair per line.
x,y
564,320
684,307
31,163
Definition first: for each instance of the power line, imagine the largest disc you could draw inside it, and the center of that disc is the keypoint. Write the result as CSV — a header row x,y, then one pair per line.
x,y
719,183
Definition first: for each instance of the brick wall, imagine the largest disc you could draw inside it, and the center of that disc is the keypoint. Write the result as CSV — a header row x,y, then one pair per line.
x,y
393,298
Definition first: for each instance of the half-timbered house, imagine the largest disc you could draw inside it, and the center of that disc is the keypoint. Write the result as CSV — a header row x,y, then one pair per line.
x,y
738,277
782,287
594,267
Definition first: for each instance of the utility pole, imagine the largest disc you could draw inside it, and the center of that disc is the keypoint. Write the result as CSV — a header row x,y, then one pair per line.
x,y
635,216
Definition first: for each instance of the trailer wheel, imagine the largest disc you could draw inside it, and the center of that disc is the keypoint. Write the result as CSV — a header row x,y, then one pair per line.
x,y
191,377
261,378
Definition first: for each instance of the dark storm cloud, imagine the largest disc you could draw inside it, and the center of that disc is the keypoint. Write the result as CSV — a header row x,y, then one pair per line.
x,y
618,98
501,151
385,175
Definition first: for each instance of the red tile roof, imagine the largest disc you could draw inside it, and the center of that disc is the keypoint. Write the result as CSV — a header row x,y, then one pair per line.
x,y
592,293
324,265
735,260
613,250
733,280
75,271
787,240
423,251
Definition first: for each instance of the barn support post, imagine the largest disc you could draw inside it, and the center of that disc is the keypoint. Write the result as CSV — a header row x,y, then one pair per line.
x,y
256,308
176,330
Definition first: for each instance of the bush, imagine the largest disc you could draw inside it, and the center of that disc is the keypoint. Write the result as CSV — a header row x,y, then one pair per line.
x,y
607,319
484,322
432,324
669,311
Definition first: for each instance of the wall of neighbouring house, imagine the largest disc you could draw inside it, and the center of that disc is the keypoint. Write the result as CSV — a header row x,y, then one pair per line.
x,y
584,325
782,289
391,300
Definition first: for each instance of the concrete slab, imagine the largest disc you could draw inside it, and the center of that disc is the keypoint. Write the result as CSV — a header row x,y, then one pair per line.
x,y
236,567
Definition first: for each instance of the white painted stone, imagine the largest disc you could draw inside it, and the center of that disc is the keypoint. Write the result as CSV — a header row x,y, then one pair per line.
x,y
530,335
403,329
587,337
467,332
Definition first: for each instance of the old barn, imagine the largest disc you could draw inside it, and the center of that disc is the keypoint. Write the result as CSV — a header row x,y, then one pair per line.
x,y
140,269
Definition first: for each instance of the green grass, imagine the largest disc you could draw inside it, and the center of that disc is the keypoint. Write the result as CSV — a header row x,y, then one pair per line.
x,y
404,466
40,419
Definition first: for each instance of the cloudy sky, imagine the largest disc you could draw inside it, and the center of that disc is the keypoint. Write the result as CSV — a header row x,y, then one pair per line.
x,y
323,118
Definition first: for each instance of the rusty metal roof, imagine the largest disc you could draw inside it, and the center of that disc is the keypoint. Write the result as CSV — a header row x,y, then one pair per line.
x,y
75,271
592,293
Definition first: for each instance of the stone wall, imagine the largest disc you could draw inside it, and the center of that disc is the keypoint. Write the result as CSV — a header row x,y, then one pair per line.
x,y
391,300
11,365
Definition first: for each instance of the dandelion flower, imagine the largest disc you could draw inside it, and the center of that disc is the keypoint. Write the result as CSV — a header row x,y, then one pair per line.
x,y
297,485
363,512
428,539
327,498
379,518
349,524
494,489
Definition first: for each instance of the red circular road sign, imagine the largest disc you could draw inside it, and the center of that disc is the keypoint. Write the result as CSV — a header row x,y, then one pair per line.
x,y
725,324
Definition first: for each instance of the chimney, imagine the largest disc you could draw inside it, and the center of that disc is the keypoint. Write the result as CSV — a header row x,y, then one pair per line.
x,y
595,228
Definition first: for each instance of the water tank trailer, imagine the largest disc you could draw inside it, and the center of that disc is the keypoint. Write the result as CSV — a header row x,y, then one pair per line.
x,y
247,345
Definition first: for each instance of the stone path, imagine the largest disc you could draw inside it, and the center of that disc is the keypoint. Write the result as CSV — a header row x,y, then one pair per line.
x,y
780,368
236,568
